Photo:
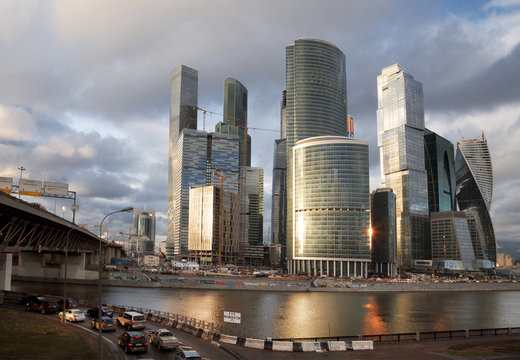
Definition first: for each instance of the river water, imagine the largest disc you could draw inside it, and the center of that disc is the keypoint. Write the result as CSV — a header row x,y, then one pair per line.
x,y
314,314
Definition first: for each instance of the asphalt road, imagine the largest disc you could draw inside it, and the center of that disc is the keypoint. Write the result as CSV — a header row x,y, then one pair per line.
x,y
205,349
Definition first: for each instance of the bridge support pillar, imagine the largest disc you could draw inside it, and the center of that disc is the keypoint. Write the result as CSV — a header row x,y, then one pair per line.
x,y
6,269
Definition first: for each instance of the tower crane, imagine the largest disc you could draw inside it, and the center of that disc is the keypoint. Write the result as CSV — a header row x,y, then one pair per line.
x,y
204,111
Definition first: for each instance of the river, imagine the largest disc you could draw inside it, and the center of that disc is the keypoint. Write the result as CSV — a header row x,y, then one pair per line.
x,y
309,314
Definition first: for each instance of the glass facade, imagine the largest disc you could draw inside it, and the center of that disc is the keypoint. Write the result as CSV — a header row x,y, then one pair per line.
x,y
206,224
400,138
439,157
315,104
143,233
474,177
255,215
279,196
452,247
200,154
184,94
383,235
331,207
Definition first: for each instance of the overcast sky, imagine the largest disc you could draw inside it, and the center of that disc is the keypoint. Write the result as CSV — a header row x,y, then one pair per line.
x,y
85,85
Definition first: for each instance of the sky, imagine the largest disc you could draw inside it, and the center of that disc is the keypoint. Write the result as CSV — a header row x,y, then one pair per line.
x,y
85,86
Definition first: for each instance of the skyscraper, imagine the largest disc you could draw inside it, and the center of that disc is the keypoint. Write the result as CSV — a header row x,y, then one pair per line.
x,y
439,157
279,196
382,222
200,155
184,93
474,176
330,202
316,105
235,117
400,138
255,215
143,233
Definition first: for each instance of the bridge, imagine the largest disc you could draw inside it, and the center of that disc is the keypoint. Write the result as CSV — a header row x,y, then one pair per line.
x,y
36,243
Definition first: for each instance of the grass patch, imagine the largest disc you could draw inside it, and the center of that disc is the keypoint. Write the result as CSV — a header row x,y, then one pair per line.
x,y
25,335
506,347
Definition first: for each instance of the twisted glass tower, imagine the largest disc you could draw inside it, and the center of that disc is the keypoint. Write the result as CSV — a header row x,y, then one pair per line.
x,y
474,192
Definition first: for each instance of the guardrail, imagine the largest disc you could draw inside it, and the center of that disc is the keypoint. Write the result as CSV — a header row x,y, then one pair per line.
x,y
417,336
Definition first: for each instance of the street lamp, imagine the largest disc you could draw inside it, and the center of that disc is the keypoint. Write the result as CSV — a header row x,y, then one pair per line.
x,y
100,269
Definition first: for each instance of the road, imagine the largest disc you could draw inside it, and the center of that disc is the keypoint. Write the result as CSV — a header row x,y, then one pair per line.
x,y
206,350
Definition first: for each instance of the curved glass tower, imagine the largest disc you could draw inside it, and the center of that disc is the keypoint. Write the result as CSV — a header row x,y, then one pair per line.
x,y
330,202
475,186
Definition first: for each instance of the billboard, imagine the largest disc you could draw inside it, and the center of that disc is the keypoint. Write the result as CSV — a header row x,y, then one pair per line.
x,y
30,187
6,184
54,188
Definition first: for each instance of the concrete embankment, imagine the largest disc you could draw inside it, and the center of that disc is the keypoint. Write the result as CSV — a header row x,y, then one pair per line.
x,y
225,283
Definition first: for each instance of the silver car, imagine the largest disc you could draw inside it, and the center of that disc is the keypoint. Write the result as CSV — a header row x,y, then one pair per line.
x,y
73,315
163,339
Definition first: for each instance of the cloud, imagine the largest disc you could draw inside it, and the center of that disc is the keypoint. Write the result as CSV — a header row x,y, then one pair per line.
x,y
16,125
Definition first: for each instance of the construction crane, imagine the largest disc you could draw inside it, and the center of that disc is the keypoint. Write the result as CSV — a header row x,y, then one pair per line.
x,y
204,111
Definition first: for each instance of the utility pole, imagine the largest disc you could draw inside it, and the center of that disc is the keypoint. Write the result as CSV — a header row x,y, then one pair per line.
x,y
22,169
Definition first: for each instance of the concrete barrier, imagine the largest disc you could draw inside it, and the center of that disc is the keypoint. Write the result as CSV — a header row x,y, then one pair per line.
x,y
337,346
228,339
310,346
282,346
362,345
255,343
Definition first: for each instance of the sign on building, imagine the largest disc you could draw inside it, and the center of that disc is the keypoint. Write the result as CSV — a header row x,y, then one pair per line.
x,y
30,187
232,317
54,188
6,184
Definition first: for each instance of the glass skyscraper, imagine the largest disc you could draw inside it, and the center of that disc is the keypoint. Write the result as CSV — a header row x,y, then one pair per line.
x,y
439,156
330,202
474,176
143,233
400,138
200,155
183,100
254,251
279,196
383,237
316,105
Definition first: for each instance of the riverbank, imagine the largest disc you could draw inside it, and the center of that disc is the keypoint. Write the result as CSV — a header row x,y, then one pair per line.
x,y
280,284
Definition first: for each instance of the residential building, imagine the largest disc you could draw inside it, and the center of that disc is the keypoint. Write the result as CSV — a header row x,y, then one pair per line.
x,y
400,138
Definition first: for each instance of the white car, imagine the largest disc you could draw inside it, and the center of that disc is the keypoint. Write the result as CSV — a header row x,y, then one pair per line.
x,y
73,315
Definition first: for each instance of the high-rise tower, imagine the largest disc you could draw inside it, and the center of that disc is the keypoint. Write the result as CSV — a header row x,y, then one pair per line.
x,y
400,138
474,192
184,93
143,233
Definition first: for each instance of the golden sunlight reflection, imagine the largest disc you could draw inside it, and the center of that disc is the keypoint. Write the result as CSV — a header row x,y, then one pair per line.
x,y
373,322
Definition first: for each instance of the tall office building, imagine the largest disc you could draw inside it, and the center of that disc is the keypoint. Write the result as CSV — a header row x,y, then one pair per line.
x,y
383,236
330,202
474,176
235,117
254,252
143,233
451,241
279,197
200,155
214,225
400,138
439,157
316,105
184,93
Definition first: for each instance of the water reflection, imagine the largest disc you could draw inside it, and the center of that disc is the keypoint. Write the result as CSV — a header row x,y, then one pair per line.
x,y
295,314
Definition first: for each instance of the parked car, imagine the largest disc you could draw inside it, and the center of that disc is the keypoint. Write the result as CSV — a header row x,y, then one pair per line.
x,y
132,320
187,354
133,341
41,304
105,311
163,339
107,323
26,299
73,315
71,304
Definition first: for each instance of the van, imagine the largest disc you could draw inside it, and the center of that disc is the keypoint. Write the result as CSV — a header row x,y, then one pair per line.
x,y
132,320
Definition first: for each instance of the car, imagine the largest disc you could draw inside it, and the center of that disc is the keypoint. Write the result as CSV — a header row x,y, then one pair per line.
x,y
26,299
187,353
105,311
73,315
41,304
133,341
163,339
71,304
107,324
132,320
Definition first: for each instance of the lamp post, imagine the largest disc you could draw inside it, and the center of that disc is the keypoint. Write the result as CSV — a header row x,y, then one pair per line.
x,y
100,269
